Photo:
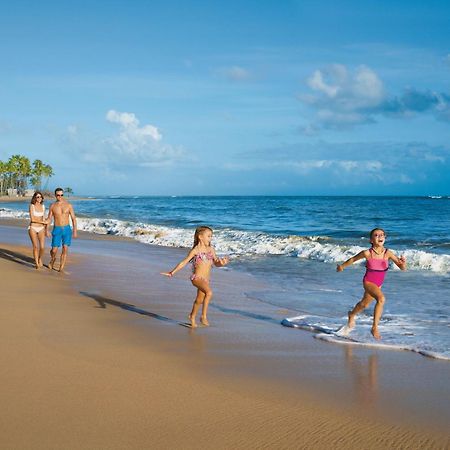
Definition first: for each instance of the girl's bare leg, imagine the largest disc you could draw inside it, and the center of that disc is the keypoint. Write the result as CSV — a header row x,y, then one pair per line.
x,y
202,286
378,295
41,236
199,299
360,306
35,241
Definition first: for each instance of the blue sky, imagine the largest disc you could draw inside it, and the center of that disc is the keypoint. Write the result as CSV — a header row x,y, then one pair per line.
x,y
238,97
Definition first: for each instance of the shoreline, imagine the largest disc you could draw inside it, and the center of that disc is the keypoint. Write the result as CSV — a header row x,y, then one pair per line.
x,y
8,199
238,358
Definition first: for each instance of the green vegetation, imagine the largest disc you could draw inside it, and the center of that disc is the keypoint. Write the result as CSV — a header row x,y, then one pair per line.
x,y
68,191
18,173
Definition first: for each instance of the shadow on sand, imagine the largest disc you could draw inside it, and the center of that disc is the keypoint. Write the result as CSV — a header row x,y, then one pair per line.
x,y
16,257
104,301
246,314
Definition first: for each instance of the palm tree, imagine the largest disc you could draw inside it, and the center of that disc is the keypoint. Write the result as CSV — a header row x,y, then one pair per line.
x,y
68,190
36,176
47,171
3,172
24,173
14,165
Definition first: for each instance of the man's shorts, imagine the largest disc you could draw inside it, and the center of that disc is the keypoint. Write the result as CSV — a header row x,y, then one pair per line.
x,y
61,235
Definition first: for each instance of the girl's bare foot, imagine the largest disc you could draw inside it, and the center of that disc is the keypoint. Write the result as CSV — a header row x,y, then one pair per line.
x,y
192,321
204,321
51,264
376,334
351,320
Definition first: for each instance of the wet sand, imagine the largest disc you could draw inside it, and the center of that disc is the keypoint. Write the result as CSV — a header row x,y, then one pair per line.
x,y
88,362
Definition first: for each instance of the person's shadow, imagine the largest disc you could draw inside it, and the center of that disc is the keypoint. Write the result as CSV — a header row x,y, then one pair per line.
x,y
104,301
18,258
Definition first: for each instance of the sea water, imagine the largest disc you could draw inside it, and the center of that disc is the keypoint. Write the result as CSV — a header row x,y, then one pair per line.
x,y
294,244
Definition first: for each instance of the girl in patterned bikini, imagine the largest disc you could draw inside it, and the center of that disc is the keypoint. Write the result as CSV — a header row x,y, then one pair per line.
x,y
37,227
377,264
203,257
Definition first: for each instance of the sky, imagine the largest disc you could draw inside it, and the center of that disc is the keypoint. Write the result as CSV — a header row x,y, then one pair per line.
x,y
230,98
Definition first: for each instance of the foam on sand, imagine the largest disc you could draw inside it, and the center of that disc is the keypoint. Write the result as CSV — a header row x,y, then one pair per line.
x,y
328,329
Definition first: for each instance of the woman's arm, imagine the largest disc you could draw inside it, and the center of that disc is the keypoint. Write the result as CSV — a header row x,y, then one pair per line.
x,y
399,262
350,261
181,264
49,220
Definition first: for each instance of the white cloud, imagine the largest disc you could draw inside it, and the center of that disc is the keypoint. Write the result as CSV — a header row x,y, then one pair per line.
x,y
131,132
342,98
137,144
308,166
235,73
349,166
132,145
72,130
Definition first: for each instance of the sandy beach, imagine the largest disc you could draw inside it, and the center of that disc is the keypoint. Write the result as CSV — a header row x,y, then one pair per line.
x,y
87,364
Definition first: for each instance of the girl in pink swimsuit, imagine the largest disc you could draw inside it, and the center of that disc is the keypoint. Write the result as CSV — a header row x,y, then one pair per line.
x,y
203,257
377,264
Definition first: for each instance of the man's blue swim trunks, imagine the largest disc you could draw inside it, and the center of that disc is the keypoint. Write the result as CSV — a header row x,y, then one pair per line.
x,y
61,235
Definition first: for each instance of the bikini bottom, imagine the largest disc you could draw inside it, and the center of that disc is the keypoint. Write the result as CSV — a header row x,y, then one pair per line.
x,y
36,228
198,277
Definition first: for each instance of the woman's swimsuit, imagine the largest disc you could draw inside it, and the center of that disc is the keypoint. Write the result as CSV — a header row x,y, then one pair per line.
x,y
39,227
201,258
376,269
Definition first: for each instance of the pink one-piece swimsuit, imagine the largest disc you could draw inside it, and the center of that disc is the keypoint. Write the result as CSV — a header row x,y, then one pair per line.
x,y
376,269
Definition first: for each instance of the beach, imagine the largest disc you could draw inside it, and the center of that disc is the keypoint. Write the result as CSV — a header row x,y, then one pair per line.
x,y
90,363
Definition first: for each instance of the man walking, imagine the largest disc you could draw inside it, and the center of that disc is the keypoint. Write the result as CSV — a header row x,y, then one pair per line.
x,y
62,233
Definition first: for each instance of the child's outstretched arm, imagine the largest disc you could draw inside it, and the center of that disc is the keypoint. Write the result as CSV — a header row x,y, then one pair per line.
x,y
399,262
181,264
220,262
350,261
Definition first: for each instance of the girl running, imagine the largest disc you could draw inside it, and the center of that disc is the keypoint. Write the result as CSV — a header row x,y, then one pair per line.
x,y
203,257
377,265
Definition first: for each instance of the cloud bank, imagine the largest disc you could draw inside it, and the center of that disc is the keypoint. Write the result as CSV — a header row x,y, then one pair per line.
x,y
352,163
340,98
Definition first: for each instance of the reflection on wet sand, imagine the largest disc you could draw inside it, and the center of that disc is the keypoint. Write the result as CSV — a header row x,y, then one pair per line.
x,y
365,375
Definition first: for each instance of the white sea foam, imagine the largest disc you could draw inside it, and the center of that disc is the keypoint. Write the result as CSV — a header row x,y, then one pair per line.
x,y
246,243
12,214
344,341
331,330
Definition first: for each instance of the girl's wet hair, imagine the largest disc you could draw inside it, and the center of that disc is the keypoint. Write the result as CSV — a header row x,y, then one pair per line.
x,y
376,229
198,231
33,199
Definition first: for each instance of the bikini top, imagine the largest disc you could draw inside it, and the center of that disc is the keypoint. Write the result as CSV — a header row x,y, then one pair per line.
x,y
377,264
37,213
202,257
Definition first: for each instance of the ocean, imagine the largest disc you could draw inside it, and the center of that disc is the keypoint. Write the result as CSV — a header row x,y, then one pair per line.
x,y
294,243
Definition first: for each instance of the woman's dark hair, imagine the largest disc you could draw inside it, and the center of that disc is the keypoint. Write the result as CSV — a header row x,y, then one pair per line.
x,y
198,231
33,199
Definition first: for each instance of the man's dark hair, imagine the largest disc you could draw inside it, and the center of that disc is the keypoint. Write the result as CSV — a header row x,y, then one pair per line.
x,y
59,189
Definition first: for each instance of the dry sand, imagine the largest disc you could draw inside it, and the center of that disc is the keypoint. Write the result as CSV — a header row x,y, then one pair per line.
x,y
75,376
